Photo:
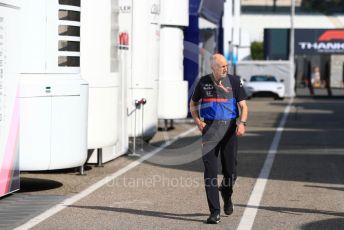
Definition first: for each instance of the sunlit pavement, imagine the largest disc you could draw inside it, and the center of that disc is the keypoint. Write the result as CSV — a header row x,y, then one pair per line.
x,y
304,189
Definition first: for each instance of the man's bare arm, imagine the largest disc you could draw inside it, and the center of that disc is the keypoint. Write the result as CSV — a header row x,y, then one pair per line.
x,y
195,115
243,117
244,110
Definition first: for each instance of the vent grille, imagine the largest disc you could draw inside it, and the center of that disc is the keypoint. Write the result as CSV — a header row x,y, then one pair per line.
x,y
69,13
65,30
69,46
70,2
114,36
68,61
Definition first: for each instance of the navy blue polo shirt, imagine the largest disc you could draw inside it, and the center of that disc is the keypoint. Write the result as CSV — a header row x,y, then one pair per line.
x,y
219,102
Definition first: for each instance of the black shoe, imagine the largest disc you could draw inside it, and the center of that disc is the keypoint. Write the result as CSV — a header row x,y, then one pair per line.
x,y
227,200
228,207
214,218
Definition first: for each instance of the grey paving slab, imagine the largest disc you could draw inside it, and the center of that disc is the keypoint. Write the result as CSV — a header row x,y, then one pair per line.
x,y
17,209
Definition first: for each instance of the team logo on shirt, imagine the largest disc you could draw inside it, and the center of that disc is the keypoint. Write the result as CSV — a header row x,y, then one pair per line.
x,y
208,87
209,93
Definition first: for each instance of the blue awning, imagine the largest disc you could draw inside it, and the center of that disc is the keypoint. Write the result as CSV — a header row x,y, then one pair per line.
x,y
211,10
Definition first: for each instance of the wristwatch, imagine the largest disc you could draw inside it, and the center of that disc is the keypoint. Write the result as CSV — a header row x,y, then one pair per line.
x,y
243,122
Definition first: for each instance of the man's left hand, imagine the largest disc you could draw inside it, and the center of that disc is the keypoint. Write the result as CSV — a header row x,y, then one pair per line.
x,y
240,130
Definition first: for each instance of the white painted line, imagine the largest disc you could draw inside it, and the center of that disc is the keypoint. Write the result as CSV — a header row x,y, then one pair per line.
x,y
251,209
69,201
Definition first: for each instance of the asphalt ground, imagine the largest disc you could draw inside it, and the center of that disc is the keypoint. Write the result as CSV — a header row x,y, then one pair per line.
x,y
304,189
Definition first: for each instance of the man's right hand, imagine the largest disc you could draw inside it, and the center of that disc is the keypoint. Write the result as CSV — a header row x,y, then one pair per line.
x,y
200,124
194,112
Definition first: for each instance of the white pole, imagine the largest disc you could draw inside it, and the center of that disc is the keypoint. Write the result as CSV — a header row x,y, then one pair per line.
x,y
236,30
227,24
291,50
236,34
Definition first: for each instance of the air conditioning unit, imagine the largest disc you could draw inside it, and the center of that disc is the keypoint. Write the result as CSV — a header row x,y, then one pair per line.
x,y
100,66
53,97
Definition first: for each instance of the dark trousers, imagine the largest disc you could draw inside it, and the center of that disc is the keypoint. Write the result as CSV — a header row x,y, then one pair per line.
x,y
218,139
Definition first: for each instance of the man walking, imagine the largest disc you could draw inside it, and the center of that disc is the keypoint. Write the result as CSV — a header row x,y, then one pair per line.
x,y
220,95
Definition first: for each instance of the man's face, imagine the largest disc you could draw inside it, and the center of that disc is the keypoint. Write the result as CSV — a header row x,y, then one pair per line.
x,y
220,69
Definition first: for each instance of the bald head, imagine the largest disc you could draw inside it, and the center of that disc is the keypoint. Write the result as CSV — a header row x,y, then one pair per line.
x,y
219,59
219,66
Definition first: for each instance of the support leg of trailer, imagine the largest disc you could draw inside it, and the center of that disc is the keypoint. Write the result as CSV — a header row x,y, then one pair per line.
x,y
99,157
81,171
171,124
166,125
133,153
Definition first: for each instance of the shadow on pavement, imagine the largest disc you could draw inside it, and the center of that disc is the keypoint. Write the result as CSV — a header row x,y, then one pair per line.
x,y
35,184
166,215
337,223
295,211
326,187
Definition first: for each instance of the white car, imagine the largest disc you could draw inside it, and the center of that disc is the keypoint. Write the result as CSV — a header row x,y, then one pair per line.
x,y
264,85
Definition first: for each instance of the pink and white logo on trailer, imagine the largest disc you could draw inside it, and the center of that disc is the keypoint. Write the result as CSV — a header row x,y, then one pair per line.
x,y
9,104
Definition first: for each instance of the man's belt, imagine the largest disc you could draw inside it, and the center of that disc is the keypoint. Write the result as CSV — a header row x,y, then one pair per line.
x,y
220,122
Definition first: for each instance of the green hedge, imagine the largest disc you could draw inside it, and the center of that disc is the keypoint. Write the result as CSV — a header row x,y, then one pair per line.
x,y
257,50
324,6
